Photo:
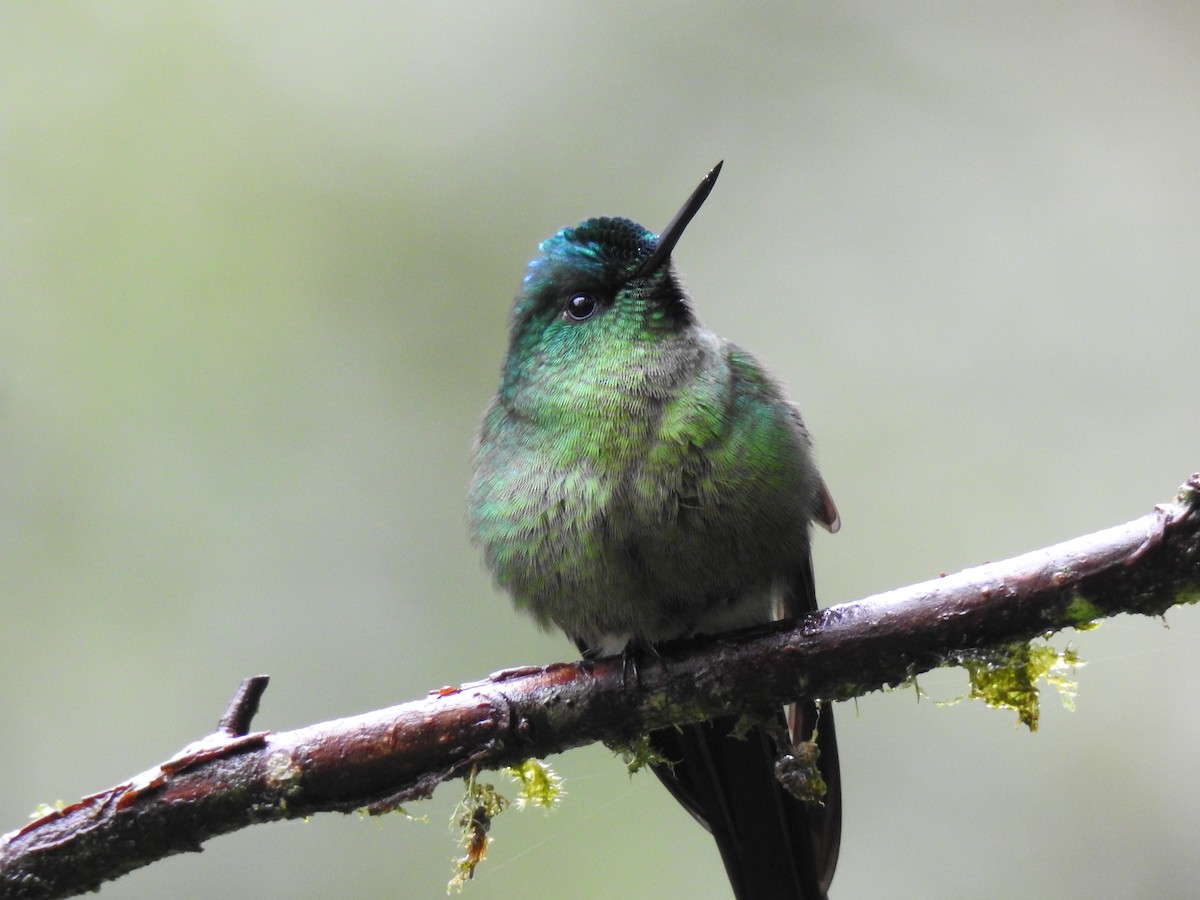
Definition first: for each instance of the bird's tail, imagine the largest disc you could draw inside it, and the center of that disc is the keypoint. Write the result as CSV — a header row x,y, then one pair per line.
x,y
775,846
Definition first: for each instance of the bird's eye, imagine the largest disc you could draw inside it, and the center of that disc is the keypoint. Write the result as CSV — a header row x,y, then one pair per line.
x,y
581,307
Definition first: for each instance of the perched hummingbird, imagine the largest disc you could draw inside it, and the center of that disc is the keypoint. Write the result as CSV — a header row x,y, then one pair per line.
x,y
639,479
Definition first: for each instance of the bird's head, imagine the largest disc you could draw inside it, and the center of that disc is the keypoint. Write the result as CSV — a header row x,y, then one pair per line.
x,y
600,297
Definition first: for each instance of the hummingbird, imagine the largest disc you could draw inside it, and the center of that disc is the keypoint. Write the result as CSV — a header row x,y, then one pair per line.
x,y
636,480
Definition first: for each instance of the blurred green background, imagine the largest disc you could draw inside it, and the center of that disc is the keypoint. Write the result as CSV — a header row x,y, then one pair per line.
x,y
255,267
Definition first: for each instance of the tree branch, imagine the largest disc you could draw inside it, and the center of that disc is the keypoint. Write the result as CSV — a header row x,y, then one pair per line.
x,y
234,777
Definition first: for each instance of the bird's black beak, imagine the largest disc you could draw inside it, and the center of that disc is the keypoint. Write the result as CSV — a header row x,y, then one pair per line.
x,y
671,234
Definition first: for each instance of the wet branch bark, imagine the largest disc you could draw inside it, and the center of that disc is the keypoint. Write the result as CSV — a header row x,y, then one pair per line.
x,y
377,760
